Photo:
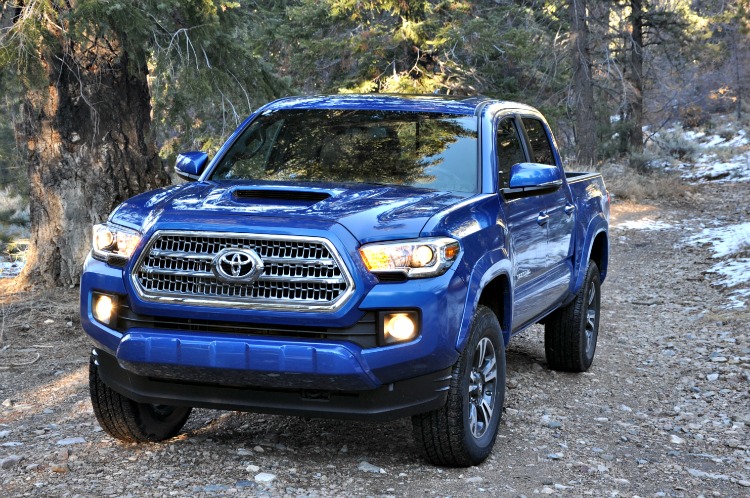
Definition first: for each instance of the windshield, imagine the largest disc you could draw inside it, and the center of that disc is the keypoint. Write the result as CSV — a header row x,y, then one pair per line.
x,y
436,151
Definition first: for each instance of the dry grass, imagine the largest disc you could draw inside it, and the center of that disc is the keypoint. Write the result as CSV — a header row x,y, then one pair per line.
x,y
630,183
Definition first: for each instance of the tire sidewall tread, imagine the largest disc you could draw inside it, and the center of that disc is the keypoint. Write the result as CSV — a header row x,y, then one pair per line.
x,y
565,329
128,420
444,435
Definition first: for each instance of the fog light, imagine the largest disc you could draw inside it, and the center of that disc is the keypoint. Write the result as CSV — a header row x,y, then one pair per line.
x,y
104,308
399,327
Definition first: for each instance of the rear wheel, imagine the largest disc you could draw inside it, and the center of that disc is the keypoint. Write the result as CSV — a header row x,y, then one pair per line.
x,y
128,420
570,333
463,432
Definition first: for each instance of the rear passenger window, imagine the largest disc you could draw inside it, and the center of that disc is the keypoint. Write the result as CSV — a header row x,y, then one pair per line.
x,y
541,150
509,150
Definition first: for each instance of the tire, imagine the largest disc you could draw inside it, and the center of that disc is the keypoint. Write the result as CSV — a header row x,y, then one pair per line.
x,y
570,333
130,421
463,432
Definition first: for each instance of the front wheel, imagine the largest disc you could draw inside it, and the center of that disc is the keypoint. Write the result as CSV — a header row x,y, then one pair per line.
x,y
463,432
570,333
128,420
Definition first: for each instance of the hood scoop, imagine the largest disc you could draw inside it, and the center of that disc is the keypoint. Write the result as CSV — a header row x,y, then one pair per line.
x,y
276,197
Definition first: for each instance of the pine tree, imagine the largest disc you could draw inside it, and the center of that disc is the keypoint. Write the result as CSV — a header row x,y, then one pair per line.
x,y
84,68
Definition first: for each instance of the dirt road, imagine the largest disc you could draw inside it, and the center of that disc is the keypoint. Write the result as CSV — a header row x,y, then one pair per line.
x,y
664,410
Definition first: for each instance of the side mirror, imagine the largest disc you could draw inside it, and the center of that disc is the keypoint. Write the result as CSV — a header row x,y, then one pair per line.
x,y
189,165
533,175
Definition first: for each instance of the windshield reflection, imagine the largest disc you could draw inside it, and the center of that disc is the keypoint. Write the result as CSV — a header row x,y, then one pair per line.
x,y
428,150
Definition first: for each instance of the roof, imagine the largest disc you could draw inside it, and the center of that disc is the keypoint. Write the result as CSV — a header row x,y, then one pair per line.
x,y
392,102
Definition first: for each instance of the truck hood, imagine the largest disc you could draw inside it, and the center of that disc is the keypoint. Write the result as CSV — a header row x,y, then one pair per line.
x,y
369,212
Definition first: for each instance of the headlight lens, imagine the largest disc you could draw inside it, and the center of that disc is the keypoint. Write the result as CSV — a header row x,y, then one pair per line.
x,y
415,258
114,241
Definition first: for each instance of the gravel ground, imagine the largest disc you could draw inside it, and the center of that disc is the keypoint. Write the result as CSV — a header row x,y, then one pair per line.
x,y
664,410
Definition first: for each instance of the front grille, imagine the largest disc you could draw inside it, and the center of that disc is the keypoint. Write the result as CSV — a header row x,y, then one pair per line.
x,y
300,273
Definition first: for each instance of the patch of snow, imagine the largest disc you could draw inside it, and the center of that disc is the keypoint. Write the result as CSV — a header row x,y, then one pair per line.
x,y
726,241
739,141
708,167
704,141
713,141
733,272
643,224
734,166
707,158
739,299
690,134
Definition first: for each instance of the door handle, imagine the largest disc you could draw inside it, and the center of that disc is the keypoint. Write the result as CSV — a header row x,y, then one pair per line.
x,y
543,218
569,208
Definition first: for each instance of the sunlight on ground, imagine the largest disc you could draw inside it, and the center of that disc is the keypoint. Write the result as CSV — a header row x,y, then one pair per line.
x,y
50,395
627,212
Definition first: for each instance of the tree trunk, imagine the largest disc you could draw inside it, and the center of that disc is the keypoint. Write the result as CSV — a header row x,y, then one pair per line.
x,y
582,91
738,50
90,147
635,99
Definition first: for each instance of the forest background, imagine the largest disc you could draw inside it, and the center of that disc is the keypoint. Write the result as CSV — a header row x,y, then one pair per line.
x,y
99,96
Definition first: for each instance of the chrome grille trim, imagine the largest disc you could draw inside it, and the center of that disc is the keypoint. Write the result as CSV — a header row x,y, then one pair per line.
x,y
301,273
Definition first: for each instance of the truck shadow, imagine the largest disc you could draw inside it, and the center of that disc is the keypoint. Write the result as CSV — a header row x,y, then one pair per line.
x,y
328,439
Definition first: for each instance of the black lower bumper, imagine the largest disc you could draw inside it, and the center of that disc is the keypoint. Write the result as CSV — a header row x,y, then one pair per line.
x,y
391,401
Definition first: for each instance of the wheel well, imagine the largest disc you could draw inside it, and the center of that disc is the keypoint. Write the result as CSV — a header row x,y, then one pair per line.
x,y
496,296
599,253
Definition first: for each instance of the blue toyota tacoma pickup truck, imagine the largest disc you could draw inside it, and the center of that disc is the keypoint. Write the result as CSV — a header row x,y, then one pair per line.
x,y
362,257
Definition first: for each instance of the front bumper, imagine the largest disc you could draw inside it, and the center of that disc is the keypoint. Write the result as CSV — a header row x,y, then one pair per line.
x,y
193,364
236,391
236,360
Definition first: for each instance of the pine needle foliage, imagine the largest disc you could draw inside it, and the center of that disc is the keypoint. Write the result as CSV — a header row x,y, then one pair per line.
x,y
499,49
205,74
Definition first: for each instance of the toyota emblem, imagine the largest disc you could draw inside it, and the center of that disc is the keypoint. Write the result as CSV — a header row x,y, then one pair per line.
x,y
235,265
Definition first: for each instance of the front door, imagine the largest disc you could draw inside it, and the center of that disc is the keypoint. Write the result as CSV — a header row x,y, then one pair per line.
x,y
560,212
526,226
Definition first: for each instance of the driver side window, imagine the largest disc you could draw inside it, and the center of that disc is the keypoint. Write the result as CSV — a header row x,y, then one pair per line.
x,y
249,157
509,150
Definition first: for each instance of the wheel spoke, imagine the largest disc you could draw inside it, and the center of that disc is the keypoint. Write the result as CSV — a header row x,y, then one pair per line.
x,y
486,410
592,294
481,351
473,419
591,320
489,372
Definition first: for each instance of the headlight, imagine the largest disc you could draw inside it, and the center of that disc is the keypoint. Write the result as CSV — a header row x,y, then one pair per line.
x,y
112,241
415,258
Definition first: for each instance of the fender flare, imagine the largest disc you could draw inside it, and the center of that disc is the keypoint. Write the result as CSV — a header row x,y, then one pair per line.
x,y
486,270
597,226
